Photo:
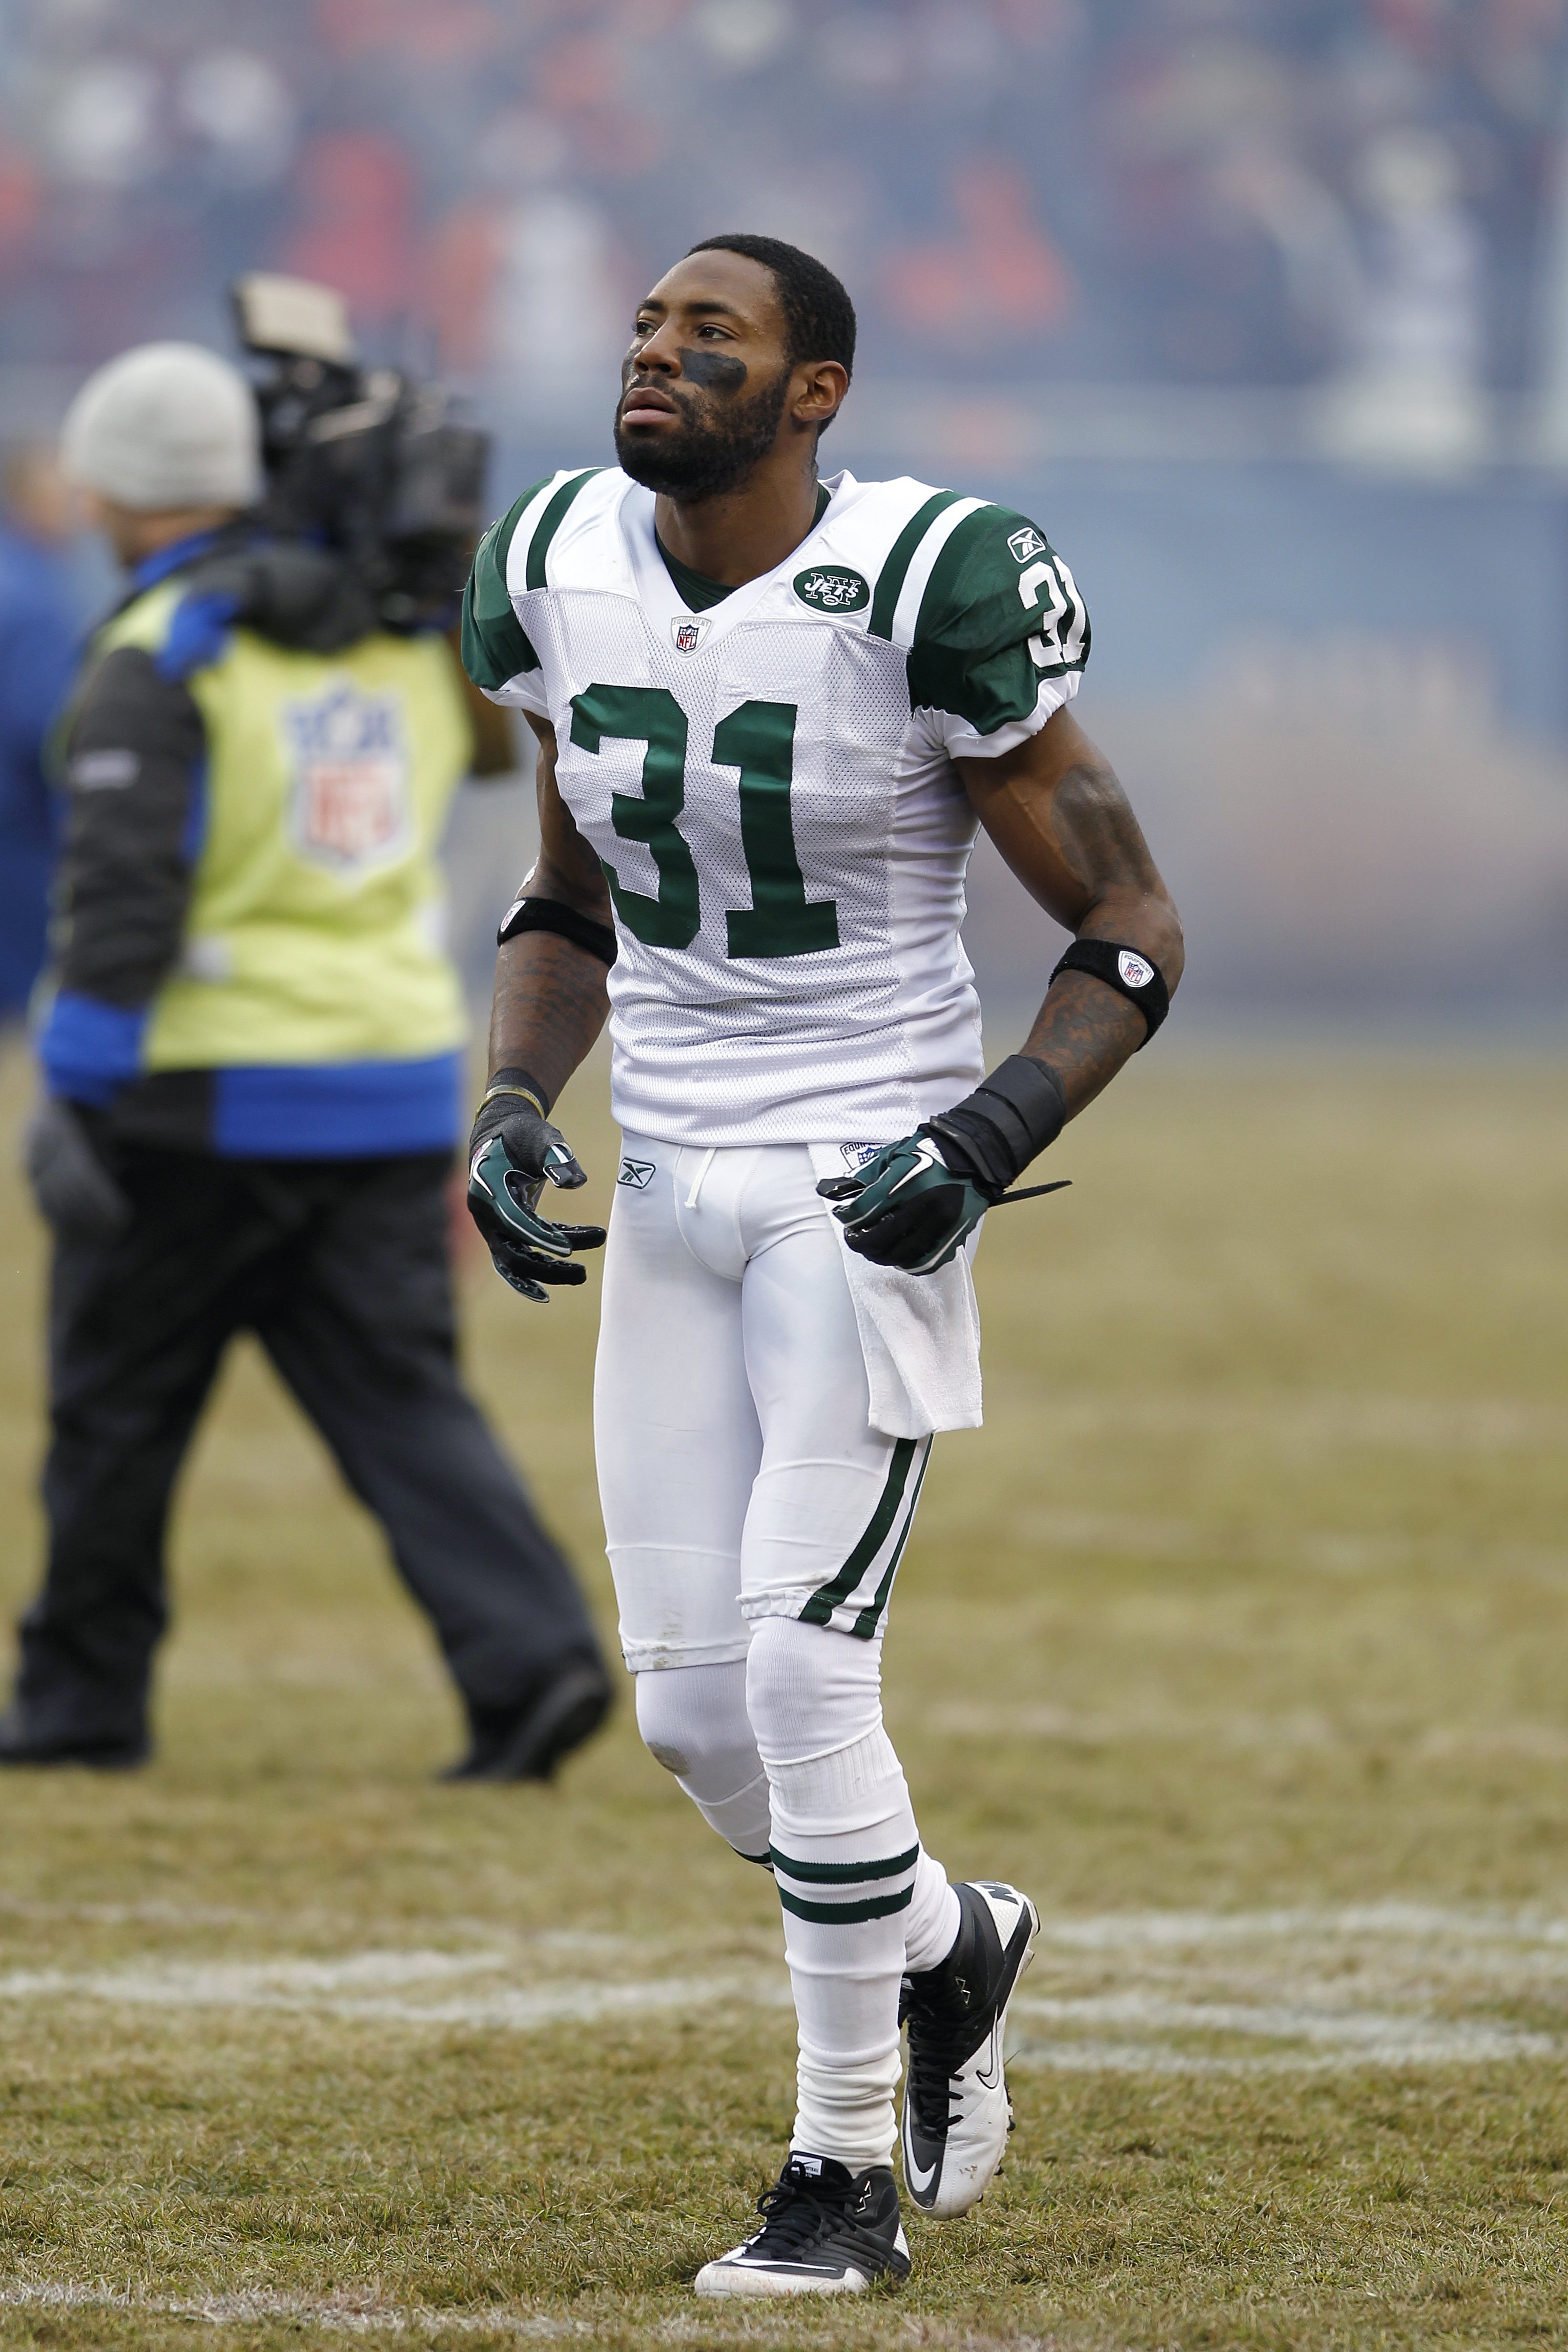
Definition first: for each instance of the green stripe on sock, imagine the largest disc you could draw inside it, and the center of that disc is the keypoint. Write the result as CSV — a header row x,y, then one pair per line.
x,y
843,1874
819,1609
848,1915
549,524
894,572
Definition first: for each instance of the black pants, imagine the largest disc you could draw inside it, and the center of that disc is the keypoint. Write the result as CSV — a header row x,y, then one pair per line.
x,y
341,1269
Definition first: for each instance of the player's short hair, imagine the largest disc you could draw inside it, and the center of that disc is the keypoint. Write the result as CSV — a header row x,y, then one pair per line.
x,y
819,317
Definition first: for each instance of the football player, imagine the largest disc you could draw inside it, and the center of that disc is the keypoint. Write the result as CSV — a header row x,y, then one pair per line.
x,y
773,712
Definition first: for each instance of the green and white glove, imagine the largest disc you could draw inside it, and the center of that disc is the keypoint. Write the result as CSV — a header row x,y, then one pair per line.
x,y
514,1152
915,1203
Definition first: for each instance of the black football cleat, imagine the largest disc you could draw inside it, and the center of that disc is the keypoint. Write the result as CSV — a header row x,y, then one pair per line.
x,y
825,2230
22,1744
957,2114
527,1743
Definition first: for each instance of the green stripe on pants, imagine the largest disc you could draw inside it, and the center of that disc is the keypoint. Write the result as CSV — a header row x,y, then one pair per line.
x,y
819,1609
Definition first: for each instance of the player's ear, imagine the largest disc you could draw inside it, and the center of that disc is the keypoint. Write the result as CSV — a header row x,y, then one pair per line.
x,y
824,383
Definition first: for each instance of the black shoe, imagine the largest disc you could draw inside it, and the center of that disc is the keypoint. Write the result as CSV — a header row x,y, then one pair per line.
x,y
957,2115
18,1745
527,1743
825,2230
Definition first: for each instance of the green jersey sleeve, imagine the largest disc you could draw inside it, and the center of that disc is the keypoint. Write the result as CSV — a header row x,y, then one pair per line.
x,y
1002,634
496,649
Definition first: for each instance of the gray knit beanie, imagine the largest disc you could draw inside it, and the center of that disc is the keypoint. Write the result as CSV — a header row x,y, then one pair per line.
x,y
166,425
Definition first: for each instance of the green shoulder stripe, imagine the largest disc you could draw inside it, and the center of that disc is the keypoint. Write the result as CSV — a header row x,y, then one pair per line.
x,y
901,555
1000,614
495,644
549,522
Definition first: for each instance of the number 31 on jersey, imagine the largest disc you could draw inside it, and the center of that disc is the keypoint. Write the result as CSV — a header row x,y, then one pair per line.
x,y
759,740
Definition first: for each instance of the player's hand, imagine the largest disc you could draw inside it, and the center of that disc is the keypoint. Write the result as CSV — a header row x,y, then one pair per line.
x,y
907,1207
74,1190
513,1152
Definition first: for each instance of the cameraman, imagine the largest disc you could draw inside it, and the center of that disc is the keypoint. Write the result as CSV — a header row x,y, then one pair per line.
x,y
252,1066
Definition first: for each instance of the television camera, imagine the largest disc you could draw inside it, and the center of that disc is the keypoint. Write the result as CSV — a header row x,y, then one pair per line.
x,y
362,461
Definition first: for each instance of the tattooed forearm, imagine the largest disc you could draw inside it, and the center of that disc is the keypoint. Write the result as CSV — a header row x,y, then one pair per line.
x,y
1060,818
551,1000
550,1003
1085,1032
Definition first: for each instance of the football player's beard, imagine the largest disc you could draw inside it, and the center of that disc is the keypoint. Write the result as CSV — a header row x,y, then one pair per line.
x,y
714,449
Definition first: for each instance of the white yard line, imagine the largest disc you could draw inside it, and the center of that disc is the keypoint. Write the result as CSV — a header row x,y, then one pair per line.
x,y
1160,2058
331,1988
1278,1977
1408,1922
334,2314
1350,2037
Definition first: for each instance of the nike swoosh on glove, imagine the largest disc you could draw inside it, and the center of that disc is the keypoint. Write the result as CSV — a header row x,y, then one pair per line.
x,y
907,1208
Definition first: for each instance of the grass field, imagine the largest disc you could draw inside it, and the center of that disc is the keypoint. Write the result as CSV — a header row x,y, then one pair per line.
x,y
1238,1636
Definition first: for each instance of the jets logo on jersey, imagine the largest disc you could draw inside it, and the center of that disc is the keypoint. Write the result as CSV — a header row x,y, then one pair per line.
x,y
687,635
1133,969
831,588
1026,543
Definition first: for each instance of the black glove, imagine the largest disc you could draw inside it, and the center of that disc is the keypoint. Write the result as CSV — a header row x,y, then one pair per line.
x,y
513,1151
74,1190
916,1203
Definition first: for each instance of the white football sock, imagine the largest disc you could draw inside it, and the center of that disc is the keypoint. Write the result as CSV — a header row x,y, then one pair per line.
x,y
932,1919
693,1721
847,1858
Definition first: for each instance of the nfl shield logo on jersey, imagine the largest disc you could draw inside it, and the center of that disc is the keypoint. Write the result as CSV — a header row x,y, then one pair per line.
x,y
351,806
689,634
1026,543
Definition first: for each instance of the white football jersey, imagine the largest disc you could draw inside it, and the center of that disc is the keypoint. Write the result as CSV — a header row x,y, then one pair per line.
x,y
770,787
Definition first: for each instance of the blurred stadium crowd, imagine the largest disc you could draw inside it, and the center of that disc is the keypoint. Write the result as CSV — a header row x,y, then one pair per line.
x,y
1257,192
1260,306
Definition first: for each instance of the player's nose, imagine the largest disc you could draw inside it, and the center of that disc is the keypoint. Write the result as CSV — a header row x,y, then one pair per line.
x,y
660,354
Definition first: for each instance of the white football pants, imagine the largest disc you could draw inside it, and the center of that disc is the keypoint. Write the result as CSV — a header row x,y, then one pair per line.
x,y
754,1521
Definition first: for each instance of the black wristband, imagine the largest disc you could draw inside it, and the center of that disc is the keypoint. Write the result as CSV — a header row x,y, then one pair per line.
x,y
550,915
1012,1115
1127,972
505,1092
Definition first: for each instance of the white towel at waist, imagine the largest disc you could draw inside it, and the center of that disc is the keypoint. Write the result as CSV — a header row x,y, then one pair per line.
x,y
919,1334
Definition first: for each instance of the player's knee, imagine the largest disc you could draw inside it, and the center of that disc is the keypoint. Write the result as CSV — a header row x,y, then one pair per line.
x,y
693,1721
810,1691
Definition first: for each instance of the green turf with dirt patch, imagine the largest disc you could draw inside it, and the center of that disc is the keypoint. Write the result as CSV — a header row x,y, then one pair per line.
x,y
1238,1636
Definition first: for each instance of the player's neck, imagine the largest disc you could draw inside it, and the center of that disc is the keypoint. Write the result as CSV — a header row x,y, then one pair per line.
x,y
739,536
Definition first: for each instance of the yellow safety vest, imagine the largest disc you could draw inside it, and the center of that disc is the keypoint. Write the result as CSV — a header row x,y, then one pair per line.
x,y
314,933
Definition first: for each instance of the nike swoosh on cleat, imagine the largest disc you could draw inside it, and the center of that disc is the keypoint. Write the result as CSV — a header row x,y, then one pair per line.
x,y
989,2077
